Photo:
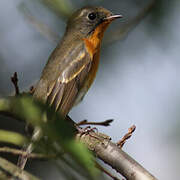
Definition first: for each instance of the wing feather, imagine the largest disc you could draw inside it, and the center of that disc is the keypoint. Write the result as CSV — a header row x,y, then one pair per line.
x,y
62,84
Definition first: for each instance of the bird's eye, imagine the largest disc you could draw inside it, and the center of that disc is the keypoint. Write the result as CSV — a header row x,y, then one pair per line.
x,y
92,16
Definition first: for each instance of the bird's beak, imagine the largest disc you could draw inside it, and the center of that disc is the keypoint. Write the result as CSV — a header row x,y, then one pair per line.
x,y
112,17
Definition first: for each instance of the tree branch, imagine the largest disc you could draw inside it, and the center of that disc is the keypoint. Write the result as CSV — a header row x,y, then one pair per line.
x,y
9,169
105,171
104,149
23,153
14,80
123,30
103,123
112,155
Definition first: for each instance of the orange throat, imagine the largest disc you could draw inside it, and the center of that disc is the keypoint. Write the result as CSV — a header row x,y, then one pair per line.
x,y
93,44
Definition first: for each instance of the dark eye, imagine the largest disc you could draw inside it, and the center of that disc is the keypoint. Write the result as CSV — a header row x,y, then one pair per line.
x,y
92,16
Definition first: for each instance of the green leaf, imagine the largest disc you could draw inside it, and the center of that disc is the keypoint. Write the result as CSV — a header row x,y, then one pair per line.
x,y
83,156
61,7
12,138
59,132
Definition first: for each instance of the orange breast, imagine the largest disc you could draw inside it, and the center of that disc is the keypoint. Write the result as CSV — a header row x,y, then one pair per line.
x,y
93,44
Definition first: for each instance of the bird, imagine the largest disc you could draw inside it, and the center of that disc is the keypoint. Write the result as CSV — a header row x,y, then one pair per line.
x,y
72,66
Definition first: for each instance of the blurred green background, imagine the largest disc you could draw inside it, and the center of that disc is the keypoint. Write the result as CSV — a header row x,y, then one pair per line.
x,y
137,83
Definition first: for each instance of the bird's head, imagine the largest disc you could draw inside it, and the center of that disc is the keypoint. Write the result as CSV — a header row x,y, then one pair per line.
x,y
87,19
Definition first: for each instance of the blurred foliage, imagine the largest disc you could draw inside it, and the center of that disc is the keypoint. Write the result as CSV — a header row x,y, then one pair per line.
x,y
161,9
44,29
62,8
12,137
3,67
60,135
7,168
58,132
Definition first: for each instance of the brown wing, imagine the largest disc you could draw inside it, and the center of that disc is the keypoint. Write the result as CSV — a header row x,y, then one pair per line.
x,y
60,86
63,94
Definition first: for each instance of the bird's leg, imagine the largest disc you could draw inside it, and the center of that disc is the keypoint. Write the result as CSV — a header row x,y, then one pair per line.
x,y
86,130
82,131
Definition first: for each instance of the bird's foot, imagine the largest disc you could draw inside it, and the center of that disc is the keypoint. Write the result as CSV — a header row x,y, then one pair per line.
x,y
85,130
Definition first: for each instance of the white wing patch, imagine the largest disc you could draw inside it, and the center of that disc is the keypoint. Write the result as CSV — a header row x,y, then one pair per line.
x,y
64,78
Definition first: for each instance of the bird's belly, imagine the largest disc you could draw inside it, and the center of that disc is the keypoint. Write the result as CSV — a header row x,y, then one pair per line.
x,y
80,95
89,80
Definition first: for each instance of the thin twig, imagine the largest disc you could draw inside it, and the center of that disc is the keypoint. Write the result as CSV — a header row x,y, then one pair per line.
x,y
123,30
105,171
14,80
11,115
31,90
126,136
23,153
44,29
29,148
103,123
13,172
